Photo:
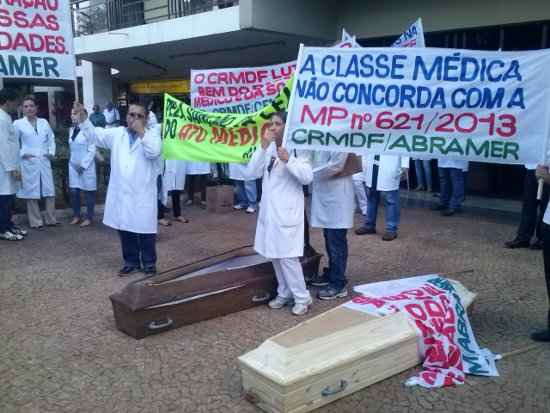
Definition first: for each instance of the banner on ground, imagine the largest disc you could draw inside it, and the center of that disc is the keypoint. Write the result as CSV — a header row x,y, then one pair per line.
x,y
36,39
429,103
197,135
433,307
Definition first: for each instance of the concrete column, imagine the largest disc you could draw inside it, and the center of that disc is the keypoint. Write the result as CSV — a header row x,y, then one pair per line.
x,y
97,84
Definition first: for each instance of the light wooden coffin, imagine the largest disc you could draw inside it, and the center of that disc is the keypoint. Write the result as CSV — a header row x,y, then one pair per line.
x,y
328,357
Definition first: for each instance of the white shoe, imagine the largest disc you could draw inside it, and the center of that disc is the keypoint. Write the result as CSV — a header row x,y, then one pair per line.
x,y
238,207
250,210
301,308
279,302
10,236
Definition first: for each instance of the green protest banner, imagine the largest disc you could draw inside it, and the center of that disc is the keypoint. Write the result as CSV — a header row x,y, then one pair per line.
x,y
196,135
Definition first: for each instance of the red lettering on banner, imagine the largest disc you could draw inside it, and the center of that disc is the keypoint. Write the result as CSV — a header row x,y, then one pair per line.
x,y
32,43
219,135
51,5
417,311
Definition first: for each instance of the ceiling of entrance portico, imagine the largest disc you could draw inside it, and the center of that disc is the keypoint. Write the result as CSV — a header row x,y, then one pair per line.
x,y
175,59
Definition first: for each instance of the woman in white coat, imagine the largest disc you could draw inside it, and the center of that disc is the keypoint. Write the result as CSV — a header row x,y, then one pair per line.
x,y
280,228
383,176
82,171
37,143
196,180
173,183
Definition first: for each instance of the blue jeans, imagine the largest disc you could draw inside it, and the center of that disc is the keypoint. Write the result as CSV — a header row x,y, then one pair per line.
x,y
451,182
245,193
90,203
392,205
336,244
138,249
423,172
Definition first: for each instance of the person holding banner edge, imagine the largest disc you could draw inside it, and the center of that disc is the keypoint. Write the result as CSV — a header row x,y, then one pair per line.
x,y
280,227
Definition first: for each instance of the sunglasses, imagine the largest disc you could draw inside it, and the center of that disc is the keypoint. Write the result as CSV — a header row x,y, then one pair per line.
x,y
136,115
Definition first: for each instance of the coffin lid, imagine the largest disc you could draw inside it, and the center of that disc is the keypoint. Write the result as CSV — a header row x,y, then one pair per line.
x,y
331,339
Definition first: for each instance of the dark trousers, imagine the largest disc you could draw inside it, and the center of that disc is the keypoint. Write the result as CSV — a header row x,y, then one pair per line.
x,y
451,187
532,210
176,205
138,249
336,244
6,211
196,183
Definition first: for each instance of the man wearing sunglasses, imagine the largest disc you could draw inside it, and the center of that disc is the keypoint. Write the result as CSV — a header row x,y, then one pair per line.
x,y
131,204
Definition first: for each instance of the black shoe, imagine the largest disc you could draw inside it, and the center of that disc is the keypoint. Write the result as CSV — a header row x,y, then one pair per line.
x,y
438,208
537,245
150,270
331,293
319,281
389,236
448,212
365,230
516,243
128,270
543,336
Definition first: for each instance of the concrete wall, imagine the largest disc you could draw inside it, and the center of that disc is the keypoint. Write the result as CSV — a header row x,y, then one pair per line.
x,y
312,18
97,84
391,17
198,25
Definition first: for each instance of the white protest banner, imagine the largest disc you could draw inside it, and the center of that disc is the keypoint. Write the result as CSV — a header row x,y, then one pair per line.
x,y
412,37
238,90
428,103
244,89
36,39
445,337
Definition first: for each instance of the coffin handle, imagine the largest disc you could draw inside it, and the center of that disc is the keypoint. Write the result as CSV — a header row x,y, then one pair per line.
x,y
257,299
157,325
328,391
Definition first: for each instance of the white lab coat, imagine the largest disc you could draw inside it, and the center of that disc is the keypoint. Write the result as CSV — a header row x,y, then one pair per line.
x,y
131,203
82,154
111,116
389,171
280,228
197,168
332,199
239,172
361,176
152,119
450,163
38,169
9,155
173,177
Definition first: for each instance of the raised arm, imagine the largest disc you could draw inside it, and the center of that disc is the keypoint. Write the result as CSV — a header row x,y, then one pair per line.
x,y
98,136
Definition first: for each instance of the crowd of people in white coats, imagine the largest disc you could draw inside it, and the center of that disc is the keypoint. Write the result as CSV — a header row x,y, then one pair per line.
x,y
140,182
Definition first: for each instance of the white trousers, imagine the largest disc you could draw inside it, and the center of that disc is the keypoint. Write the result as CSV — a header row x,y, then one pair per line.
x,y
291,279
360,196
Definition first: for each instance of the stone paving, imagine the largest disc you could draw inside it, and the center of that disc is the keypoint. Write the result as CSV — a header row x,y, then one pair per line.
x,y
61,351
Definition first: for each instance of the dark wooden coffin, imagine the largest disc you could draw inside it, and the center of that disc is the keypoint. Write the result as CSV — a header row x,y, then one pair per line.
x,y
213,287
